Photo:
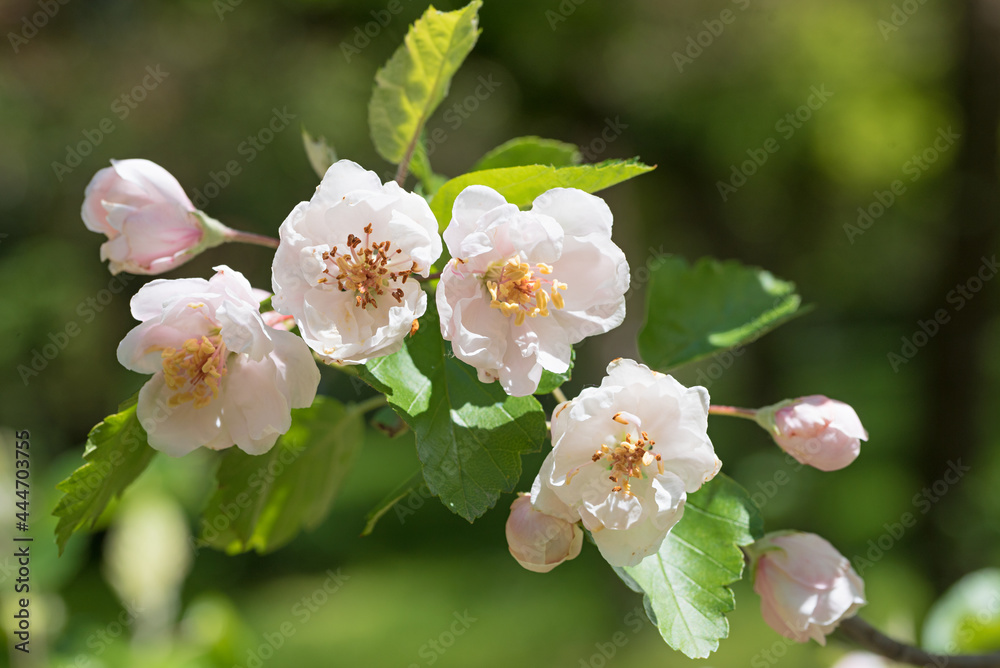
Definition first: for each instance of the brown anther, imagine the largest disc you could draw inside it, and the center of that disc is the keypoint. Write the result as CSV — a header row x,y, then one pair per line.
x,y
619,419
414,326
368,228
616,488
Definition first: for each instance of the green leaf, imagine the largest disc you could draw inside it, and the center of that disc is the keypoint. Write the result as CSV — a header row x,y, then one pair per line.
x,y
391,499
695,312
321,155
117,452
966,620
263,501
530,151
470,436
686,582
552,381
521,185
415,80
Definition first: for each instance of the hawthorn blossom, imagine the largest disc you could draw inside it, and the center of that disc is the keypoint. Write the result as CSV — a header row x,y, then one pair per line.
x,y
150,223
346,261
625,455
821,432
524,286
806,587
221,376
540,542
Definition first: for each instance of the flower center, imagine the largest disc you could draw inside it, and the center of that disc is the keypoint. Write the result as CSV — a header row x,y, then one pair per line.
x,y
367,271
195,370
518,289
629,457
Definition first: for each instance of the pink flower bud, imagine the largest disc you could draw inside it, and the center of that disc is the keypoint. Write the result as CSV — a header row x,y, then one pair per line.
x,y
538,541
821,432
806,587
150,223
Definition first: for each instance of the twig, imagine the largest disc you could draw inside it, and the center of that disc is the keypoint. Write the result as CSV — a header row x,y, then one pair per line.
x,y
873,640
733,411
251,238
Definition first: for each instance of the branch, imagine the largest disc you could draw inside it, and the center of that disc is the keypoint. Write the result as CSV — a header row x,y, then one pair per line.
x,y
873,640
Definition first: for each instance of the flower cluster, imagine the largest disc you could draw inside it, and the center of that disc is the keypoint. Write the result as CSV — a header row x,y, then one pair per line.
x,y
520,290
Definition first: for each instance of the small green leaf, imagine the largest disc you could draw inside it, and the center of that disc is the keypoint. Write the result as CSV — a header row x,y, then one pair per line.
x,y
695,312
321,155
263,501
415,80
391,499
470,435
521,185
552,381
530,151
966,620
686,582
117,452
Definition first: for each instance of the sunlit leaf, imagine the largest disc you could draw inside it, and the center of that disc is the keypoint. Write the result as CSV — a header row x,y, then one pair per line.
x,y
686,582
415,80
117,452
696,311
521,185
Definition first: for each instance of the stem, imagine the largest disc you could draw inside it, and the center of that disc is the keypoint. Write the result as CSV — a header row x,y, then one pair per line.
x,y
404,166
873,640
369,404
431,277
733,411
558,394
251,238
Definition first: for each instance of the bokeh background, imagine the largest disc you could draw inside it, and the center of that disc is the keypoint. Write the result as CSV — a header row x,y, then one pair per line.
x,y
620,79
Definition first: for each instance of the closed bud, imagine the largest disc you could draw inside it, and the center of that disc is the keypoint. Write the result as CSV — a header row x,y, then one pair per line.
x,y
806,587
821,432
150,223
538,541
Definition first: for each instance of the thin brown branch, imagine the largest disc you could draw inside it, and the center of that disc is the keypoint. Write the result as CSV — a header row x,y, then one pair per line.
x,y
873,640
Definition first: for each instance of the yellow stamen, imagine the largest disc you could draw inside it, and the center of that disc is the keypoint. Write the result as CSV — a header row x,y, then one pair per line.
x,y
195,370
516,290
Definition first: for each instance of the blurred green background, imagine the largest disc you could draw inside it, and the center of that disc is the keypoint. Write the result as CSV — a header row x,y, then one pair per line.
x,y
680,83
